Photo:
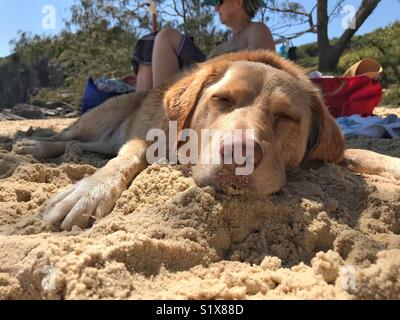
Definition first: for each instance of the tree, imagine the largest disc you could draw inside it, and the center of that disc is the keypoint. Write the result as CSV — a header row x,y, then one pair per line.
x,y
329,51
187,16
329,54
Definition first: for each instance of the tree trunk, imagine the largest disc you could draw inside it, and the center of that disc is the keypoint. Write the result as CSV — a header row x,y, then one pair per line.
x,y
329,59
329,55
323,38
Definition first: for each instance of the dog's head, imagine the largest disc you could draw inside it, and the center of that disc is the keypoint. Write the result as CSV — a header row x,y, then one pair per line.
x,y
289,124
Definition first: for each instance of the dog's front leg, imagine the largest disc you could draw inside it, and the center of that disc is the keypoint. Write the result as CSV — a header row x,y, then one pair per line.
x,y
95,196
365,161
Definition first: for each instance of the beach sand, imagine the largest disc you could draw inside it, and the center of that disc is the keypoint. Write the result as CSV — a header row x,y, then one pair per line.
x,y
329,234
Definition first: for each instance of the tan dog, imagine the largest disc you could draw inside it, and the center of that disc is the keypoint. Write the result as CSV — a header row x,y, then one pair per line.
x,y
246,90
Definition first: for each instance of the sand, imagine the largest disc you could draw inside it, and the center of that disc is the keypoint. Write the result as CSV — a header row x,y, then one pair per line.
x,y
330,233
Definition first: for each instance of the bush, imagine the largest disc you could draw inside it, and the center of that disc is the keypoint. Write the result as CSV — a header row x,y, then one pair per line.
x,y
97,51
392,96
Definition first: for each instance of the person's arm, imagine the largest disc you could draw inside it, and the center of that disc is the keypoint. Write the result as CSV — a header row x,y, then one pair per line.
x,y
260,37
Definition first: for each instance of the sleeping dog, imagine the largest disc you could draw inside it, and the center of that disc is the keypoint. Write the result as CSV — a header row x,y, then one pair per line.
x,y
257,91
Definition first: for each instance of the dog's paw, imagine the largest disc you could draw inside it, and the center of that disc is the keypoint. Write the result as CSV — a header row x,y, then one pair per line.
x,y
40,149
32,147
80,204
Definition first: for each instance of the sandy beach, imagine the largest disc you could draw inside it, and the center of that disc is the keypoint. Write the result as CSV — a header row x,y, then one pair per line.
x,y
329,234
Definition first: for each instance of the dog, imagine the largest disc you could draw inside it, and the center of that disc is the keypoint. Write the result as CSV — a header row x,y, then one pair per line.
x,y
255,90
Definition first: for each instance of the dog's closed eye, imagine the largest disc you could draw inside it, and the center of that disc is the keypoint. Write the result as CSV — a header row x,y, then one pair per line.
x,y
283,116
224,101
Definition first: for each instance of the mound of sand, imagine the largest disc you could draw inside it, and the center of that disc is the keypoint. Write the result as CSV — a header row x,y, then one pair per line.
x,y
330,234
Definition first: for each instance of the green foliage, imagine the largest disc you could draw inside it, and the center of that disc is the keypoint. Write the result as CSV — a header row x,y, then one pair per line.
x,y
188,16
100,37
382,44
105,34
97,51
391,96
32,49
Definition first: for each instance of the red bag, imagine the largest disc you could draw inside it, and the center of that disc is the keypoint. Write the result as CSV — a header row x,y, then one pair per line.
x,y
345,96
357,92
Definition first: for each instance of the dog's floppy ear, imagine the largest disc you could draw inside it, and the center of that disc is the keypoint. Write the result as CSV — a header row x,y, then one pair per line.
x,y
182,97
325,141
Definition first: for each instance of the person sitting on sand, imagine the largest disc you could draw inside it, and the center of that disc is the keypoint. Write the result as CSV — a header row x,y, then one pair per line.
x,y
158,56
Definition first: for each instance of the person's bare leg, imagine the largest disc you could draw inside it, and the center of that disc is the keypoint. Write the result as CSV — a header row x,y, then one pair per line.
x,y
144,78
165,55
